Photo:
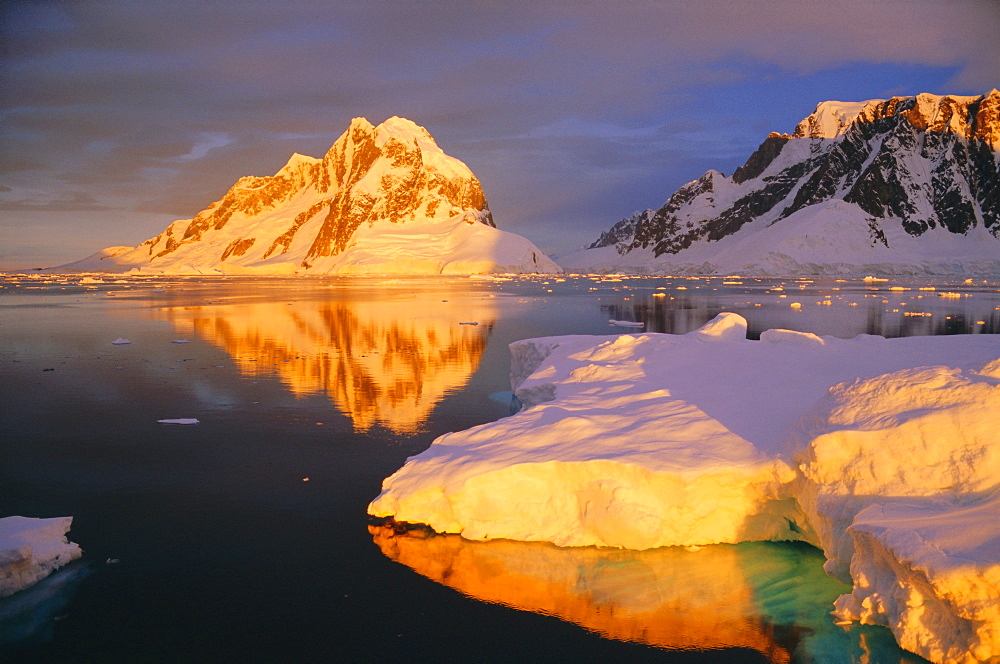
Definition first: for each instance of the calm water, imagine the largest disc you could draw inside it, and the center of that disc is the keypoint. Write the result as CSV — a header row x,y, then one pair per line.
x,y
244,537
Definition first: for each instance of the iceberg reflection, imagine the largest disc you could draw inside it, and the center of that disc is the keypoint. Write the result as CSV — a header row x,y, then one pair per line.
x,y
770,597
385,362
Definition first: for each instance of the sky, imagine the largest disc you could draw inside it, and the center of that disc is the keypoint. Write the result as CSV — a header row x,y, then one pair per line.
x,y
117,118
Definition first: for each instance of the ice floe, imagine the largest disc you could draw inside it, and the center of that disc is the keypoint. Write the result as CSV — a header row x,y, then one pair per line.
x,y
885,453
31,549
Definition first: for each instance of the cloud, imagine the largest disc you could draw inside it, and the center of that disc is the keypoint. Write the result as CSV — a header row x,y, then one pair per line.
x,y
74,202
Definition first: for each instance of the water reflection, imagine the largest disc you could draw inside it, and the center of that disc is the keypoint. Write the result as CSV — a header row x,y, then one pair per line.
x,y
380,362
772,598
28,617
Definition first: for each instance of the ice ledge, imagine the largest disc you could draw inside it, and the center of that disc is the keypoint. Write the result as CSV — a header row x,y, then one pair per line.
x,y
649,440
929,571
31,549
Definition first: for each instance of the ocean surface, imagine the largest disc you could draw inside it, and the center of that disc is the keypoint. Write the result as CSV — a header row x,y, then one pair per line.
x,y
244,538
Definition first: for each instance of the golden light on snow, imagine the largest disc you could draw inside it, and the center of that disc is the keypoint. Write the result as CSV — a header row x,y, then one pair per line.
x,y
379,362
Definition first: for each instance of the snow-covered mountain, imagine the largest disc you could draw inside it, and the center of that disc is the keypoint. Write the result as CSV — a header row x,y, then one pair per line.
x,y
907,185
384,199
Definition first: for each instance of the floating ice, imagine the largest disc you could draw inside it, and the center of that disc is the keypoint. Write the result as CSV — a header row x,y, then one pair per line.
x,y
31,549
121,341
180,420
885,453
180,341
626,323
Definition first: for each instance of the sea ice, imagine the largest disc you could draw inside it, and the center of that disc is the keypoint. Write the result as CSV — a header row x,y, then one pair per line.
x,y
883,452
121,341
31,549
179,420
929,569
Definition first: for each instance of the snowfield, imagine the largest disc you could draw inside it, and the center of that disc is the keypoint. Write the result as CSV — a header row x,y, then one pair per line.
x,y
31,549
828,238
885,453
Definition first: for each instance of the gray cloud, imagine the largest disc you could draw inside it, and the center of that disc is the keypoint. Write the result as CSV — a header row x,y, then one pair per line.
x,y
74,202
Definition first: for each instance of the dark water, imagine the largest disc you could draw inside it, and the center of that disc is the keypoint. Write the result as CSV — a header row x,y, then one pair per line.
x,y
245,538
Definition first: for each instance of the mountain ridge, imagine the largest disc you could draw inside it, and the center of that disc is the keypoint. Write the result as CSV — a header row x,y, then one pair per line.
x,y
382,199
921,163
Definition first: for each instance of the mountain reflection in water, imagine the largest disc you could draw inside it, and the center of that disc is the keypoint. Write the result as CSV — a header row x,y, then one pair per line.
x,y
379,362
770,597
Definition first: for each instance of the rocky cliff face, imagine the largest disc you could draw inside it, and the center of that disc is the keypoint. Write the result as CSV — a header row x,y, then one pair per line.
x,y
375,184
918,164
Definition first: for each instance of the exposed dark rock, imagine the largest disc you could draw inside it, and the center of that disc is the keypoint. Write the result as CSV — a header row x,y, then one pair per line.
x,y
918,162
761,159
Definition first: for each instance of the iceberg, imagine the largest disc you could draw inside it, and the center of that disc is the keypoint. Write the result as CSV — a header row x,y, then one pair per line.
x,y
884,453
31,549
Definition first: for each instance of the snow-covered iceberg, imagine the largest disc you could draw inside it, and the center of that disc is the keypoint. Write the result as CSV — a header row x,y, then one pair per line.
x,y
31,549
885,453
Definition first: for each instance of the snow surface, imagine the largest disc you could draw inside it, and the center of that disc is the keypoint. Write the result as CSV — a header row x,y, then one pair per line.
x,y
884,453
831,118
31,549
451,247
828,238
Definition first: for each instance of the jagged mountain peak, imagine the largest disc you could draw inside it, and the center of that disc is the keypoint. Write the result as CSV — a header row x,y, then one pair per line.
x,y
402,128
395,127
902,184
830,119
382,199
970,116
298,167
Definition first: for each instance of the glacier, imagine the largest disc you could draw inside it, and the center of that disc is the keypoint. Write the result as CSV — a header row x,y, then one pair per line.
x,y
31,549
884,453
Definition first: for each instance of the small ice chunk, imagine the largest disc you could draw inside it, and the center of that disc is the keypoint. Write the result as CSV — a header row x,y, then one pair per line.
x,y
121,341
31,549
472,322
179,420
626,323
791,337
726,326
180,341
